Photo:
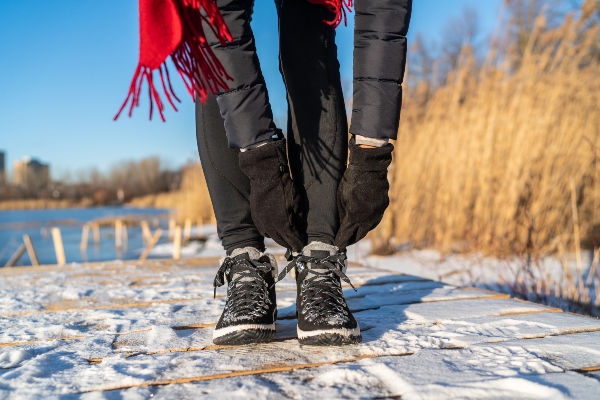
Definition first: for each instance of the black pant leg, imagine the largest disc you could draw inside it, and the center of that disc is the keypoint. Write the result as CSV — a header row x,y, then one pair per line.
x,y
228,186
379,62
317,125
233,121
245,106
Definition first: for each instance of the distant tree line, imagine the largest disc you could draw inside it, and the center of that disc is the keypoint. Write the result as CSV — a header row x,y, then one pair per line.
x,y
122,182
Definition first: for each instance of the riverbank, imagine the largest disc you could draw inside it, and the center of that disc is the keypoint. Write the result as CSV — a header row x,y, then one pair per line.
x,y
44,204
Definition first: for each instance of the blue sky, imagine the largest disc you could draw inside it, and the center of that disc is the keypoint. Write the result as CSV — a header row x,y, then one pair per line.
x,y
67,64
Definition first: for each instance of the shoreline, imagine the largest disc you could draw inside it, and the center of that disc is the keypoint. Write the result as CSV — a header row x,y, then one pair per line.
x,y
52,204
41,204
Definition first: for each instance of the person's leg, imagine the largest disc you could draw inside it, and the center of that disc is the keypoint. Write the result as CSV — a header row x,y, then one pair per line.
x,y
238,118
249,126
245,107
228,186
379,62
318,139
317,124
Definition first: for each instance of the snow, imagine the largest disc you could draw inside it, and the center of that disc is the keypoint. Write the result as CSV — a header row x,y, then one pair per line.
x,y
138,330
454,269
385,377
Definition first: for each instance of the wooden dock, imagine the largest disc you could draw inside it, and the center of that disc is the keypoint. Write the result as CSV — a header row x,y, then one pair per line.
x,y
145,329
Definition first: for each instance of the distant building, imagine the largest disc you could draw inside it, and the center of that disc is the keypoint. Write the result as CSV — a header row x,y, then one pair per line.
x,y
2,169
31,174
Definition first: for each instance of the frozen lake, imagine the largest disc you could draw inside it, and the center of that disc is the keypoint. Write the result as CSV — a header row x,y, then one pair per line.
x,y
37,224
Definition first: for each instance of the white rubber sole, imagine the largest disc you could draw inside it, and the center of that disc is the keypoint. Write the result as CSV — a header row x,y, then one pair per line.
x,y
217,333
338,331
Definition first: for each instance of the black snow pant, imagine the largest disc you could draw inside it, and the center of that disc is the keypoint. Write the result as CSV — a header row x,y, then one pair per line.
x,y
317,123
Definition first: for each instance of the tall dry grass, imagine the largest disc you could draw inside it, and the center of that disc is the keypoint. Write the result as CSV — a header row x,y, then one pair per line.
x,y
486,161
191,201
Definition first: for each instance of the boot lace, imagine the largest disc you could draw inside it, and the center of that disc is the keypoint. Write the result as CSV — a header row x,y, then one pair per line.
x,y
321,292
248,292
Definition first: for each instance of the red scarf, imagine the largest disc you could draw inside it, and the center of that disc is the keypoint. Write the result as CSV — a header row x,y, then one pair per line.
x,y
174,28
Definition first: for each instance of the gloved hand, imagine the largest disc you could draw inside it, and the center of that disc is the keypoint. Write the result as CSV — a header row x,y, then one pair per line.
x,y
274,202
363,192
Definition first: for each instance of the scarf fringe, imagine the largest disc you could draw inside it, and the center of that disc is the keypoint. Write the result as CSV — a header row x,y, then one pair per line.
x,y
193,58
338,8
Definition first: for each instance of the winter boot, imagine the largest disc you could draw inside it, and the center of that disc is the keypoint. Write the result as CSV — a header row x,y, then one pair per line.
x,y
250,309
324,318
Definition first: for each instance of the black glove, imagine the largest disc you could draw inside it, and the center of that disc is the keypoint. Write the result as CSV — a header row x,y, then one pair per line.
x,y
274,202
363,192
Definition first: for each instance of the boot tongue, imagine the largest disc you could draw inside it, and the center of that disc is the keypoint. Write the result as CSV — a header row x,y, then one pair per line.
x,y
247,253
319,253
319,250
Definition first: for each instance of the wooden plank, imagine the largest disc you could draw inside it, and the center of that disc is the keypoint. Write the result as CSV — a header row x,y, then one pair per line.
x,y
259,359
261,371
405,294
155,263
424,375
58,246
469,369
85,233
177,243
575,352
411,319
108,267
129,277
468,331
58,308
170,342
593,368
150,245
463,332
15,257
30,250
118,234
145,232
193,314
356,303
125,235
467,366
378,379
422,313
104,284
96,232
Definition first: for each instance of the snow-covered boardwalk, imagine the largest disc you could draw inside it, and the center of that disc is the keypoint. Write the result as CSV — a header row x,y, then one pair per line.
x,y
140,330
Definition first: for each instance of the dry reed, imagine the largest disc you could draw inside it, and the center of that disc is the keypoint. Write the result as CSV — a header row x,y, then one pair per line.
x,y
485,163
191,201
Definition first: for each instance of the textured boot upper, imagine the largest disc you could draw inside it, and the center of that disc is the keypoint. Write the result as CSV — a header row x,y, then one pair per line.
x,y
320,299
250,293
